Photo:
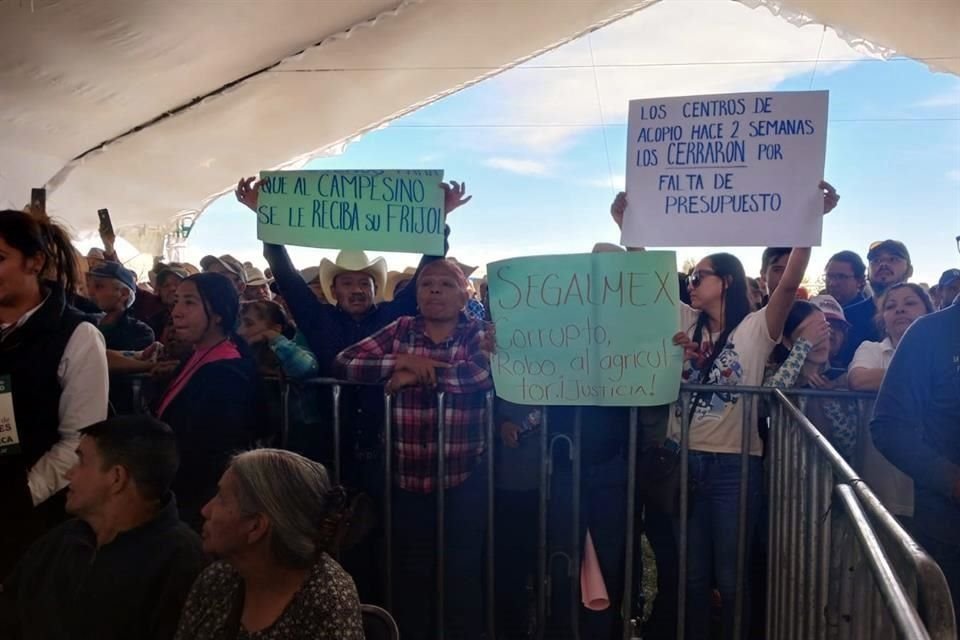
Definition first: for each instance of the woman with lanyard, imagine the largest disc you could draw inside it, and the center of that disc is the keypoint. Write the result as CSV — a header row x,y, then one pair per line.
x,y
727,345
210,402
53,378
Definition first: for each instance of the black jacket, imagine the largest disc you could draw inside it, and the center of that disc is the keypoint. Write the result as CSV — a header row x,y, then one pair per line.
x,y
863,327
916,421
604,430
65,588
127,334
214,416
328,331
327,328
30,355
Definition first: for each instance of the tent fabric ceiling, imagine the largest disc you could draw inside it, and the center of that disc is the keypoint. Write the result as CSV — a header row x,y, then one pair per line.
x,y
76,73
152,108
927,30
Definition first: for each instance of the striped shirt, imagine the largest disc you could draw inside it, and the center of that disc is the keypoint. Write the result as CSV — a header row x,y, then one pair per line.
x,y
464,385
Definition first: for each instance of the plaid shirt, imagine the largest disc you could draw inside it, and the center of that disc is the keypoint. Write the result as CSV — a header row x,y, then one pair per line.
x,y
464,384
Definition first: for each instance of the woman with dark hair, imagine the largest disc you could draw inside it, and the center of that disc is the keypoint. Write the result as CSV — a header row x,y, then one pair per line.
x,y
53,377
800,360
898,308
211,401
279,351
726,345
265,327
272,524
804,349
439,350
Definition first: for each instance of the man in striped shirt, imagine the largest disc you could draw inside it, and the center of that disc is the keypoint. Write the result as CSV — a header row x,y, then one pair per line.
x,y
438,351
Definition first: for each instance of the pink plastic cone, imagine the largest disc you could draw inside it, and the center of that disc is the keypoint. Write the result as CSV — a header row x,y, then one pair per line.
x,y
593,591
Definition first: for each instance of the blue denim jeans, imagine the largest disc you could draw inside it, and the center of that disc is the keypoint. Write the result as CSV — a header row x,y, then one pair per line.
x,y
712,538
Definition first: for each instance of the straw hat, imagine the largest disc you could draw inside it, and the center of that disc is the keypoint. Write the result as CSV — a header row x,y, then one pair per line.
x,y
394,278
255,277
467,269
227,262
351,261
607,247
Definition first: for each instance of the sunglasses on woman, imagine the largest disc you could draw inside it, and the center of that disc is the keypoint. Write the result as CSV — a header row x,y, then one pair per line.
x,y
697,276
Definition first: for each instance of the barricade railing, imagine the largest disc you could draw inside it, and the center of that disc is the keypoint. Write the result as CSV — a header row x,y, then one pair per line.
x,y
848,572
840,565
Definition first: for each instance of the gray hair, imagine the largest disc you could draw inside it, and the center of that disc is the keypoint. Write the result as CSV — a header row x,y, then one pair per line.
x,y
293,493
132,297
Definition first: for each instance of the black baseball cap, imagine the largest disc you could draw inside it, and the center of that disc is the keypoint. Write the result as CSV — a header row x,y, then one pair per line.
x,y
894,247
948,277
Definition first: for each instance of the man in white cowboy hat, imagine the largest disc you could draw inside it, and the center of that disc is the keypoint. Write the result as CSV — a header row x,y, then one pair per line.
x,y
350,283
257,287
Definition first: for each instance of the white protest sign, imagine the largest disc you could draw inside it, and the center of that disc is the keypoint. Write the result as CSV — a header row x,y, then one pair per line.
x,y
726,170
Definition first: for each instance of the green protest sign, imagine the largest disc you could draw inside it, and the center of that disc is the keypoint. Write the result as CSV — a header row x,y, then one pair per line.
x,y
592,329
360,210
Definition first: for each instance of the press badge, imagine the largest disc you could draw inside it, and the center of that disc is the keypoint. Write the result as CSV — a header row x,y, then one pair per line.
x,y
9,438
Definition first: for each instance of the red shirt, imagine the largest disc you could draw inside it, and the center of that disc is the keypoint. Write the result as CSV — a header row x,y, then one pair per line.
x,y
464,385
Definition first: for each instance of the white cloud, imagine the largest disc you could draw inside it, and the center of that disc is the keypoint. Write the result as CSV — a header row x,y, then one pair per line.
x,y
673,48
518,165
616,182
429,157
954,175
946,99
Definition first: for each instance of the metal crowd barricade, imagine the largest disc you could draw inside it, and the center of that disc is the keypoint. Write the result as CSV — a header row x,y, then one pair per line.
x,y
838,561
847,568
839,564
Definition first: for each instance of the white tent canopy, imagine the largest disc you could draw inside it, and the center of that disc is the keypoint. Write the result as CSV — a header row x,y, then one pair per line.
x,y
152,108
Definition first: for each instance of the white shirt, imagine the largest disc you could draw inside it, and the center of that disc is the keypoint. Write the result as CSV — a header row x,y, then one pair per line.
x,y
873,355
84,383
892,486
717,424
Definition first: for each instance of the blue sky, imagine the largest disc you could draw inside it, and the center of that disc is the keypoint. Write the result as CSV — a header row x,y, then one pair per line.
x,y
542,147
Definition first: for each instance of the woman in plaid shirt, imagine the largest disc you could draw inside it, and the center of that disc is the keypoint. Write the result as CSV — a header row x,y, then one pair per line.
x,y
440,350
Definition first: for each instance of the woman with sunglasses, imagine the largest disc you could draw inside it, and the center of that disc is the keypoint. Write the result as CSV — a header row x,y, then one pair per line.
x,y
725,344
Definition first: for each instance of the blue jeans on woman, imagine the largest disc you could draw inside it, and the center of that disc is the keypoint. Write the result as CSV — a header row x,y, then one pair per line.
x,y
712,538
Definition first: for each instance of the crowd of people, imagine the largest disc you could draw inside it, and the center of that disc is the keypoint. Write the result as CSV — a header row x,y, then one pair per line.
x,y
182,511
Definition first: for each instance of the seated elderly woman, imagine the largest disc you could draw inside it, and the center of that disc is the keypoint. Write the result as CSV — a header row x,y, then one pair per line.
x,y
271,522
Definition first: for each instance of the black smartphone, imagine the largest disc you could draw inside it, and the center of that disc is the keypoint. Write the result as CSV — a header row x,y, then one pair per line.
x,y
106,226
833,373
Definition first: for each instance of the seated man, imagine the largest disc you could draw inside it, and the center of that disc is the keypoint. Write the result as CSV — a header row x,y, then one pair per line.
x,y
122,568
